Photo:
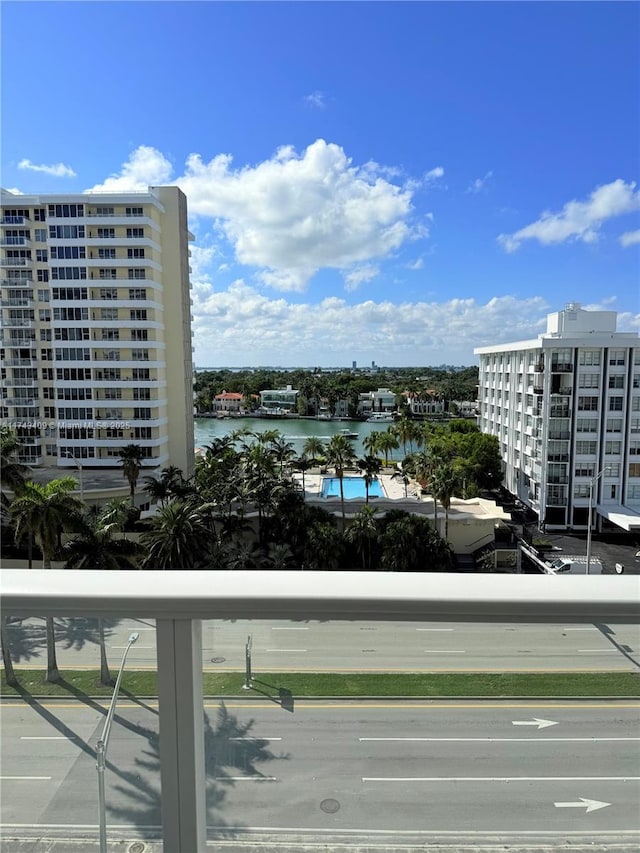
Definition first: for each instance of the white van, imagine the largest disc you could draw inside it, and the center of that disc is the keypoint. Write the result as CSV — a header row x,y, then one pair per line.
x,y
573,566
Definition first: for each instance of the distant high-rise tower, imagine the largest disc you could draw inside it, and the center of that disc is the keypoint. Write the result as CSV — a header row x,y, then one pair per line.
x,y
354,365
96,327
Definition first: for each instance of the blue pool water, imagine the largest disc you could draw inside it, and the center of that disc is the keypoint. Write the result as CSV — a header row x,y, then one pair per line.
x,y
353,487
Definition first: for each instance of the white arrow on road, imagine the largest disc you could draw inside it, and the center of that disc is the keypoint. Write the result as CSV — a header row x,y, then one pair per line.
x,y
591,805
541,724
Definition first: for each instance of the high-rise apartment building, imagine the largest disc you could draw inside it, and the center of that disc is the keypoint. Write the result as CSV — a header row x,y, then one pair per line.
x,y
566,410
96,327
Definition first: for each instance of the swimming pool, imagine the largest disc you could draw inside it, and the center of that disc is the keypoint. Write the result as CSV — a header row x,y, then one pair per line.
x,y
353,487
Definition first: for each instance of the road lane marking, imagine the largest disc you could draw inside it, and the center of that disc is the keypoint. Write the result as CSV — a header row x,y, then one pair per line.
x,y
292,628
28,778
600,651
260,738
47,737
541,724
245,778
583,628
434,629
500,778
286,650
591,805
502,739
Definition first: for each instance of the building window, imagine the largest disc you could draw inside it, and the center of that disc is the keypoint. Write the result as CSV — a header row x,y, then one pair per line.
x,y
140,355
612,469
612,448
587,404
42,275
616,381
45,334
138,314
615,404
139,335
581,490
74,393
135,253
107,273
141,393
111,334
70,294
636,380
135,233
104,211
137,293
69,252
47,374
586,448
108,313
42,256
634,448
39,214
72,335
614,424
66,210
43,295
584,470
634,469
134,211
589,357
68,273
634,425
66,232
633,493
137,273
44,315
40,235
108,293
107,233
589,380
106,254
616,356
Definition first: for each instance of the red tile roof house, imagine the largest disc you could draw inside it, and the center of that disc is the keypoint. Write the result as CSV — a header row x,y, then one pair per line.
x,y
228,401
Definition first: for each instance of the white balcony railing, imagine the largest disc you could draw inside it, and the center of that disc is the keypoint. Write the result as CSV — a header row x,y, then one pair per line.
x,y
179,600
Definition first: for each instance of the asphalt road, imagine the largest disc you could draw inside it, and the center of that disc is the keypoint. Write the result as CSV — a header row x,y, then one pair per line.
x,y
348,646
421,770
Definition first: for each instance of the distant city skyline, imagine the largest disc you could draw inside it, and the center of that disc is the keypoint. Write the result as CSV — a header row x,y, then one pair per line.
x,y
398,182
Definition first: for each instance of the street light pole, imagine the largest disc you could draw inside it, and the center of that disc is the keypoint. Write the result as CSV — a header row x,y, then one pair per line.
x,y
101,749
78,464
592,483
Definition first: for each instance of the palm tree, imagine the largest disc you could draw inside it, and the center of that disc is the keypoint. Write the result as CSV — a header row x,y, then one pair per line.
x,y
95,547
339,455
387,442
444,484
131,460
180,536
362,532
283,450
371,442
370,467
313,448
170,484
13,474
302,464
404,477
42,511
7,661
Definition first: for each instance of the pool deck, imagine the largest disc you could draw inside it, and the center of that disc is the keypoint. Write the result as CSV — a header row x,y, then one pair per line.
x,y
393,489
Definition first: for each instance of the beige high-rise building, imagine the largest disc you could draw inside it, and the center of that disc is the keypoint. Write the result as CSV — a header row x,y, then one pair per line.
x,y
96,328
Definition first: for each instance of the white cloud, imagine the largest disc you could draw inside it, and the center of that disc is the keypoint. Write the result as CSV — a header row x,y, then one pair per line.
x,y
353,279
418,264
434,174
629,238
578,220
145,167
316,99
479,184
14,191
58,170
243,326
295,213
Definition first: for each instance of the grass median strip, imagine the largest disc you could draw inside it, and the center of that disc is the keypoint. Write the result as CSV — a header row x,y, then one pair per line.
x,y
278,685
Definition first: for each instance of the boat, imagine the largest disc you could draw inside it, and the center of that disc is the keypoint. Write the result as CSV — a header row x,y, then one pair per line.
x,y
381,418
347,433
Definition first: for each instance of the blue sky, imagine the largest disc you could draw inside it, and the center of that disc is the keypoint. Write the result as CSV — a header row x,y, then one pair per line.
x,y
397,182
